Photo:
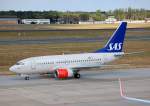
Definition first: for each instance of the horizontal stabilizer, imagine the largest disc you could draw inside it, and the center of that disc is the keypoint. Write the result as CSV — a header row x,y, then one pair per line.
x,y
140,52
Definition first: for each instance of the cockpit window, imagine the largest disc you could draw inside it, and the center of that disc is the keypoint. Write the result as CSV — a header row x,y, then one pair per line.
x,y
19,63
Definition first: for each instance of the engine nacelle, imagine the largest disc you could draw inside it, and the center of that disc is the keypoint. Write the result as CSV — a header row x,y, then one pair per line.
x,y
64,73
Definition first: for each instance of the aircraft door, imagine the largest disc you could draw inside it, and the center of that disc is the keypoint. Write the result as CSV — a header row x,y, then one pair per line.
x,y
33,65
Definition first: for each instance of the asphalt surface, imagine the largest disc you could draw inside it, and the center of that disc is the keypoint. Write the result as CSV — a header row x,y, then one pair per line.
x,y
65,40
95,88
47,30
60,39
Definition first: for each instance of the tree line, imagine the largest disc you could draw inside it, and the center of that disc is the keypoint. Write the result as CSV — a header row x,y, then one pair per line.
x,y
75,17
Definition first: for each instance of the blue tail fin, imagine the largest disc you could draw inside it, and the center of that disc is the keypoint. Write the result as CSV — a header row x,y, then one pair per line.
x,y
115,43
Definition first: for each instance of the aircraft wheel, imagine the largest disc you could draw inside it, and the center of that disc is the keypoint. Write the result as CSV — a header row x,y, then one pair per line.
x,y
77,76
26,78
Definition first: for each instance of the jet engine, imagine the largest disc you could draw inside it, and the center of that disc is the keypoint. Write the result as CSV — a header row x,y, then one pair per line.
x,y
64,73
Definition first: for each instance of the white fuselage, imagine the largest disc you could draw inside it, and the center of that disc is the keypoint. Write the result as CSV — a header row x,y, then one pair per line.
x,y
49,64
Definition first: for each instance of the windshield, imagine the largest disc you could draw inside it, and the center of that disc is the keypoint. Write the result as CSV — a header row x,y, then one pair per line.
x,y
19,63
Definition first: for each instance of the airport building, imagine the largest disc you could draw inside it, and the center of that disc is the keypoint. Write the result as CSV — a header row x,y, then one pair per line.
x,y
9,20
147,20
35,21
110,20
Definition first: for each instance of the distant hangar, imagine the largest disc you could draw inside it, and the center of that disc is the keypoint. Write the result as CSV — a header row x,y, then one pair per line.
x,y
12,20
35,21
9,20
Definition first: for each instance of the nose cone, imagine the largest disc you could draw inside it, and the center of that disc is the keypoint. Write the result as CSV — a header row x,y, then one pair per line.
x,y
12,68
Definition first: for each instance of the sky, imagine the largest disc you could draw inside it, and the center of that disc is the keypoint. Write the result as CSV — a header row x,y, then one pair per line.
x,y
71,5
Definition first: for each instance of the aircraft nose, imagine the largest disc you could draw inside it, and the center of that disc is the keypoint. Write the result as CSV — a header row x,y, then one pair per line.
x,y
12,68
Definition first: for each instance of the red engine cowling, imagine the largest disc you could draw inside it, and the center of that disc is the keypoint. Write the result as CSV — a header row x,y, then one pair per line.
x,y
64,73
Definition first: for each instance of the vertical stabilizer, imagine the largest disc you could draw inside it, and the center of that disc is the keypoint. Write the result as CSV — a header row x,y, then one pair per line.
x,y
115,43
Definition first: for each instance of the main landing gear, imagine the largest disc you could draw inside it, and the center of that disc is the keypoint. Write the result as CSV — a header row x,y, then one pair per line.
x,y
77,75
27,78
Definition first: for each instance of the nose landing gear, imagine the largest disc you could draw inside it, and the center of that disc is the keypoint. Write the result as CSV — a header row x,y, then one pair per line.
x,y
26,77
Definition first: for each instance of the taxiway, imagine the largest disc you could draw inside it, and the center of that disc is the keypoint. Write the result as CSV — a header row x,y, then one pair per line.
x,y
95,88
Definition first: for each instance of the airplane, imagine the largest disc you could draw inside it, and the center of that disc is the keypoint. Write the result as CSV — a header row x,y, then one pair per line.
x,y
68,65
